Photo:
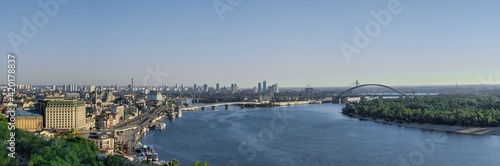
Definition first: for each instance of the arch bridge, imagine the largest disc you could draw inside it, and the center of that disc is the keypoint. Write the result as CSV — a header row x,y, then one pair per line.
x,y
341,94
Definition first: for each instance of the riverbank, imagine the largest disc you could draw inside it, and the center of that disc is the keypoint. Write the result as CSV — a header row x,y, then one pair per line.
x,y
435,127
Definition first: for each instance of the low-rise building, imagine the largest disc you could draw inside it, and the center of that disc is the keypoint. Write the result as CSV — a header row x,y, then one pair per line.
x,y
101,122
113,119
104,140
29,120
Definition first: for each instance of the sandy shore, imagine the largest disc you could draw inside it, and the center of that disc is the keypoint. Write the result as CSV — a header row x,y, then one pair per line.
x,y
444,128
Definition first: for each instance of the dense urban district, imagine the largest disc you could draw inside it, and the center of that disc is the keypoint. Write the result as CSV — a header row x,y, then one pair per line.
x,y
103,125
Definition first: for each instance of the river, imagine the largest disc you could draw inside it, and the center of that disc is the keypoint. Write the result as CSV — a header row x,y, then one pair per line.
x,y
311,135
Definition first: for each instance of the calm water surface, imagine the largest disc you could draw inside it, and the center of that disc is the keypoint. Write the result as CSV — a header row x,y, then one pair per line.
x,y
311,135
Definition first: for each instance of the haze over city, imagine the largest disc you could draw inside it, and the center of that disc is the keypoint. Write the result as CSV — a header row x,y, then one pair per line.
x,y
293,43
250,82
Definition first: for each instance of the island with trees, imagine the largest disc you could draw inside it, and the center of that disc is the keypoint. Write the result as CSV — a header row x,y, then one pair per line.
x,y
462,111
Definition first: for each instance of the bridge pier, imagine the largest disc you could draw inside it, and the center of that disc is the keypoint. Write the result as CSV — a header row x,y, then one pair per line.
x,y
213,107
344,99
203,108
226,106
242,106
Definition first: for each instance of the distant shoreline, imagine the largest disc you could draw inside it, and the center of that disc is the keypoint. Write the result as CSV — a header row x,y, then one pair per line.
x,y
434,127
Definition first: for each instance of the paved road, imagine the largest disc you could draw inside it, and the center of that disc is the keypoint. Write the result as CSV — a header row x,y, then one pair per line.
x,y
140,122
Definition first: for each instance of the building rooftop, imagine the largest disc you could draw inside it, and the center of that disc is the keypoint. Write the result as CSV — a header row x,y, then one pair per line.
x,y
100,135
28,113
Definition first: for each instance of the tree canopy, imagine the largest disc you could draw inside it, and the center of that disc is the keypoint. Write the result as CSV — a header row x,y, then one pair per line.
x,y
444,110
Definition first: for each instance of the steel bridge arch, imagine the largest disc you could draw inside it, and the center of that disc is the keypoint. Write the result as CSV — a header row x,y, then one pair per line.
x,y
360,86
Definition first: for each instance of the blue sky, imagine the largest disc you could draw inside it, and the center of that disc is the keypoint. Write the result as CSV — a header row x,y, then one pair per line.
x,y
292,43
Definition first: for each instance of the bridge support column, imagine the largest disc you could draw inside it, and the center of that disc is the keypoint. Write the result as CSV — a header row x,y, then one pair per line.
x,y
344,99
203,108
225,106
213,107
242,106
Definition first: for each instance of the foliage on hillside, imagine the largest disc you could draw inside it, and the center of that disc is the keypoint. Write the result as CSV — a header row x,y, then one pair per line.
x,y
34,150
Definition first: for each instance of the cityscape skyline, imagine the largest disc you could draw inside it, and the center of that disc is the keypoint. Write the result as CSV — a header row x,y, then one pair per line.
x,y
104,43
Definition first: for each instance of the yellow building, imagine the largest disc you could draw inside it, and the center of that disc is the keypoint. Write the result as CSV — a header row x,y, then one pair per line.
x,y
63,114
104,140
29,120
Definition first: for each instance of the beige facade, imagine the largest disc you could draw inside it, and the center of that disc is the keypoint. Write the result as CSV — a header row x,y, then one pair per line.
x,y
104,141
65,114
29,120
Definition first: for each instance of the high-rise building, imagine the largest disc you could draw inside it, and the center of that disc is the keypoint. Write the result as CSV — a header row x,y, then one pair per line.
x,y
217,88
233,88
53,87
195,88
72,88
264,86
259,89
205,88
63,114
275,88
255,90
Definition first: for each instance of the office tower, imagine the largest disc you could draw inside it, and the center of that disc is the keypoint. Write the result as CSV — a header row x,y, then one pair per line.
x,y
264,86
275,88
234,88
205,88
217,88
259,89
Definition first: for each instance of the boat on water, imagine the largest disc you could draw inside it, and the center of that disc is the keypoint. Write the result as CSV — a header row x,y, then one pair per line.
x,y
171,115
160,126
179,113
146,153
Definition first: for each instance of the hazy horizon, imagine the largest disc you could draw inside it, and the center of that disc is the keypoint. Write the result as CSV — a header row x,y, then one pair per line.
x,y
294,44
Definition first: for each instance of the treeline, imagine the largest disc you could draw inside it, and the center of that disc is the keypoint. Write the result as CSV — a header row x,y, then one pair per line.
x,y
34,150
444,110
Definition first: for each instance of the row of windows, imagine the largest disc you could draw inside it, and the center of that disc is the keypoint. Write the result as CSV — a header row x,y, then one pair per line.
x,y
60,127
60,112
59,118
59,109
